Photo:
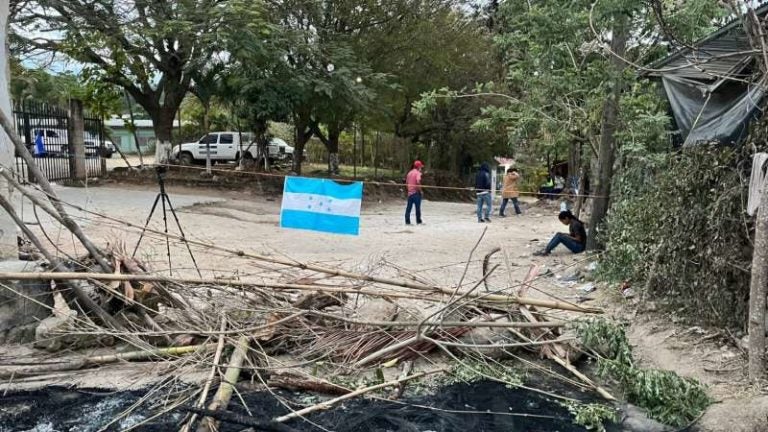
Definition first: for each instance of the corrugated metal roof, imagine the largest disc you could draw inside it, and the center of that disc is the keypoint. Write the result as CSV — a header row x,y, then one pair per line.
x,y
724,52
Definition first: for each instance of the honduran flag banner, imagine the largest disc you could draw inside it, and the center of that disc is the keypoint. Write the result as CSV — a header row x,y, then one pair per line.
x,y
321,205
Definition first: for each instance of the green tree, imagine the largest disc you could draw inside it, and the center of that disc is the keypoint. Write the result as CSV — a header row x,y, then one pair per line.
x,y
567,86
100,99
334,83
149,48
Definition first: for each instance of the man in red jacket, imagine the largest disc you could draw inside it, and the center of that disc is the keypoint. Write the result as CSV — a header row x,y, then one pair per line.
x,y
413,184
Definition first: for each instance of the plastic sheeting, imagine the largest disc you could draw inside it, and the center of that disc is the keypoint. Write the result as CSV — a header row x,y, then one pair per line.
x,y
705,113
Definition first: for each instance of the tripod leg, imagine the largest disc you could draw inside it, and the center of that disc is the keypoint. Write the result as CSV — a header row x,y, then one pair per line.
x,y
146,224
183,236
167,240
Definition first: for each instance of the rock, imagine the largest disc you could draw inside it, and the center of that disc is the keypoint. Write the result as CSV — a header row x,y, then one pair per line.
x,y
19,316
51,332
486,336
636,420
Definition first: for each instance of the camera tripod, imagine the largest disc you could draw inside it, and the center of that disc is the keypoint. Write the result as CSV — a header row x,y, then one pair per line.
x,y
165,201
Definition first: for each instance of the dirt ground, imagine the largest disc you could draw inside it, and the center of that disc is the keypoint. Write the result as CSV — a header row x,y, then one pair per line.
x,y
436,251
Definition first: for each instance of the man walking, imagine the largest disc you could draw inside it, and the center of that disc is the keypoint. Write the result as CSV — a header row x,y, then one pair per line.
x,y
483,190
413,185
510,192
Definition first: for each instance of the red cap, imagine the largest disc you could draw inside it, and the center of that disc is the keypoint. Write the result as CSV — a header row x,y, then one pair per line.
x,y
417,164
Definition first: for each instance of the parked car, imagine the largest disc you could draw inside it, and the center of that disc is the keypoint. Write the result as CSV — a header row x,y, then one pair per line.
x,y
108,150
92,148
227,147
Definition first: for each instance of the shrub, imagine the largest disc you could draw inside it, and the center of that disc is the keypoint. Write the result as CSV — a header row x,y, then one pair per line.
x,y
678,227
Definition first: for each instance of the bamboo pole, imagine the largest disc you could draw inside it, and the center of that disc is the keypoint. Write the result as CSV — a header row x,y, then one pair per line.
x,y
103,359
42,180
329,403
227,385
490,298
211,376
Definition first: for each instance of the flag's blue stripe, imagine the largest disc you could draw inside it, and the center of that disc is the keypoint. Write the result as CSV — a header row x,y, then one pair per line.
x,y
324,187
335,224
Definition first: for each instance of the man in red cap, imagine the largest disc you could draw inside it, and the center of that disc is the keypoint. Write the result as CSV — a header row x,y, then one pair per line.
x,y
413,184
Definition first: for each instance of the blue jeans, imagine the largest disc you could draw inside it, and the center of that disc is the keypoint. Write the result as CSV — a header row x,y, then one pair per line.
x,y
504,206
567,241
484,199
413,200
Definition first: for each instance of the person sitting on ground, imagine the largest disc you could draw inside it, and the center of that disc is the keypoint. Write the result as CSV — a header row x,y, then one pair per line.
x,y
510,192
575,240
483,189
413,185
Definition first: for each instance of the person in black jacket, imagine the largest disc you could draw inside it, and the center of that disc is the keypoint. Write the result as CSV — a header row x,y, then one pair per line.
x,y
575,240
483,190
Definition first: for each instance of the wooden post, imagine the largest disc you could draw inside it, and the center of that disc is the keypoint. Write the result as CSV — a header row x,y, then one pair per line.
x,y
757,291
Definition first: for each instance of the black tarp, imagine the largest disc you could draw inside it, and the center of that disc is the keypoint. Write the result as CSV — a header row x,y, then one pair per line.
x,y
706,112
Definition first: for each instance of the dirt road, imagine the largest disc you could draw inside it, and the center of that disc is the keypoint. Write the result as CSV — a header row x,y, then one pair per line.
x,y
239,221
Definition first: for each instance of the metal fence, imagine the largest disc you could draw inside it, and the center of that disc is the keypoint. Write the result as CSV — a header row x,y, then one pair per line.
x,y
44,130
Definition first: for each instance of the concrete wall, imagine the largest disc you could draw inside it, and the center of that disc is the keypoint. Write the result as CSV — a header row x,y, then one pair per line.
x,y
8,246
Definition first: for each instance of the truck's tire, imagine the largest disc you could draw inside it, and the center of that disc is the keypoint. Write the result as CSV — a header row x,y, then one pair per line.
x,y
186,159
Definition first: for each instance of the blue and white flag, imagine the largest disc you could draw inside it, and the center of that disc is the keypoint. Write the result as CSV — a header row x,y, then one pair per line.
x,y
321,205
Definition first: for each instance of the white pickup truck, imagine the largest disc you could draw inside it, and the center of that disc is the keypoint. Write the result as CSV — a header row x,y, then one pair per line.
x,y
226,147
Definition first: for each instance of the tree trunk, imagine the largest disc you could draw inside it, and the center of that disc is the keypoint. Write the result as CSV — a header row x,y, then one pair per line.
x,y
303,132
260,129
607,136
758,291
162,120
332,145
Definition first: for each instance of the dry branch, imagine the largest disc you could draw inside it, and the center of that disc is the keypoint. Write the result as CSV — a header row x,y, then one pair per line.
x,y
293,381
497,299
104,359
230,417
